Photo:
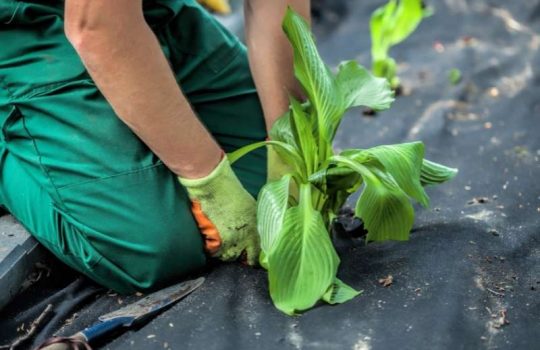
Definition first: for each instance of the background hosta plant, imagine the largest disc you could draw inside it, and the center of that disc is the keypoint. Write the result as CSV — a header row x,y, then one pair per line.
x,y
391,24
295,212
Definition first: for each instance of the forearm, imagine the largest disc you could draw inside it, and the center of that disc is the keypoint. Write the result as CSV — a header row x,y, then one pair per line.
x,y
124,58
270,54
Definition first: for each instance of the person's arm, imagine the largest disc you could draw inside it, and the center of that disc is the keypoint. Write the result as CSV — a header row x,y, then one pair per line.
x,y
270,54
124,58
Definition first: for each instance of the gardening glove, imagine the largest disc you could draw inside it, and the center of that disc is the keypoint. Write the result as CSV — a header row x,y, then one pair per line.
x,y
225,213
219,6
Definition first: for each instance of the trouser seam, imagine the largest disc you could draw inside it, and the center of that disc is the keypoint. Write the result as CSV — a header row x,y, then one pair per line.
x,y
42,167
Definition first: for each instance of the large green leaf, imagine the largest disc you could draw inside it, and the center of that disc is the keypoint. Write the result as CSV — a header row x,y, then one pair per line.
x,y
360,88
339,292
314,76
385,209
403,162
271,207
434,173
383,206
304,262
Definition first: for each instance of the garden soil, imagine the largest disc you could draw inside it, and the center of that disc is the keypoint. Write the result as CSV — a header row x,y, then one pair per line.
x,y
469,278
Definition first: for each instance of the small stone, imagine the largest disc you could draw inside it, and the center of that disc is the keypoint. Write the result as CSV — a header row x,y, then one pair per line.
x,y
494,232
438,46
493,92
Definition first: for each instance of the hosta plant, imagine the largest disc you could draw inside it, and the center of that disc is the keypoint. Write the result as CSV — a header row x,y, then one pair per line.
x,y
295,212
391,24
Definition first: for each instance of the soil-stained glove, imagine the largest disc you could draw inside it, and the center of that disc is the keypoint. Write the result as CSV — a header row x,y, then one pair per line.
x,y
218,6
225,213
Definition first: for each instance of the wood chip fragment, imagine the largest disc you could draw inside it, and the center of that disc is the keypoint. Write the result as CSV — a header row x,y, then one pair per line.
x,y
495,293
501,320
33,327
387,281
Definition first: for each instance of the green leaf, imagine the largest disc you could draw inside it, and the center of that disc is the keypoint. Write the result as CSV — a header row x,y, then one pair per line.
x,y
360,88
383,206
385,209
380,24
314,76
434,173
288,153
454,76
304,262
302,129
403,162
390,25
386,68
339,292
263,260
393,23
239,153
281,130
336,178
271,208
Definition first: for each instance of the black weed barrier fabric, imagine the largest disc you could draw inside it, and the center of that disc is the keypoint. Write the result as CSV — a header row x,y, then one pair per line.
x,y
469,278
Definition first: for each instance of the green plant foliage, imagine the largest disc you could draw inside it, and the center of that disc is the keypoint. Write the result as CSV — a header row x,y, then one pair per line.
x,y
391,24
454,76
339,293
304,262
294,225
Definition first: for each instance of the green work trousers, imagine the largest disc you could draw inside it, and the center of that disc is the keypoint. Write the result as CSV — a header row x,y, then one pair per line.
x,y
78,179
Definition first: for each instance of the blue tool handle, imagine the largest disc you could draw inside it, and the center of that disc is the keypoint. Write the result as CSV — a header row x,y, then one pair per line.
x,y
100,329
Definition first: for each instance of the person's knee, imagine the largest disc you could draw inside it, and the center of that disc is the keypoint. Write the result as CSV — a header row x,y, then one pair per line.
x,y
163,253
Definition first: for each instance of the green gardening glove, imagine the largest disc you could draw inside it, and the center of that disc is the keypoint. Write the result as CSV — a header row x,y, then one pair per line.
x,y
225,213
